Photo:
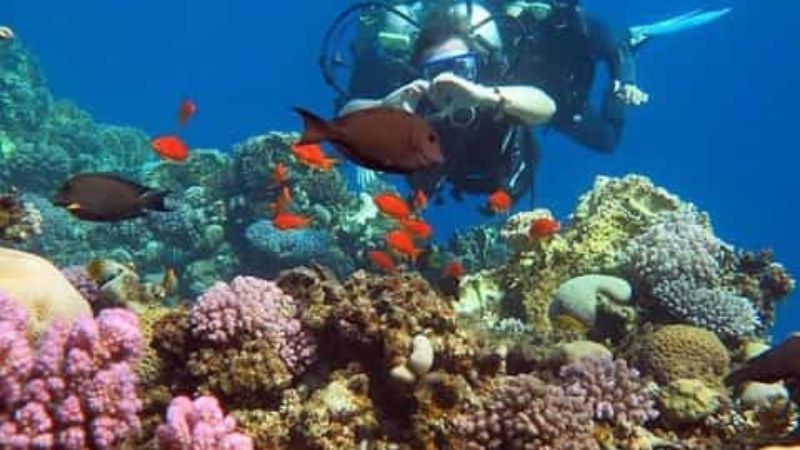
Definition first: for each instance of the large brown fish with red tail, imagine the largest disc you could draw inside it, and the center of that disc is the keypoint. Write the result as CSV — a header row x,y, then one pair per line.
x,y
384,139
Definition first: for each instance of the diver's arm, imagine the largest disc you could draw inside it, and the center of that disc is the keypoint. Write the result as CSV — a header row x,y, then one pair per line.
x,y
405,97
528,104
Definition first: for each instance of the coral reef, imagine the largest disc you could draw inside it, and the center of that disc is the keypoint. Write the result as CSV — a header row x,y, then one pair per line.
x,y
75,388
200,424
678,261
681,351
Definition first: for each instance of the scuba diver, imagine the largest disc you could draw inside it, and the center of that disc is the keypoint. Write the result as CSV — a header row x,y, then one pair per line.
x,y
551,44
560,50
455,80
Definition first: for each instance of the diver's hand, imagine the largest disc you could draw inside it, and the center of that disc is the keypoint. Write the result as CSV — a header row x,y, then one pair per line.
x,y
630,94
448,90
407,96
365,178
6,34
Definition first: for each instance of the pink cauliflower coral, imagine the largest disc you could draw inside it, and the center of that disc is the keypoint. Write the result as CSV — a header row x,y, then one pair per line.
x,y
252,308
200,425
73,389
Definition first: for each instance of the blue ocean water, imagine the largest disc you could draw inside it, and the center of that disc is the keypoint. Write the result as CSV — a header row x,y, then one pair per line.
x,y
718,130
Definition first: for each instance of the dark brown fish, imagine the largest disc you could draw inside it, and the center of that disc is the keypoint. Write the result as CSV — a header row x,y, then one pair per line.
x,y
384,139
779,363
103,197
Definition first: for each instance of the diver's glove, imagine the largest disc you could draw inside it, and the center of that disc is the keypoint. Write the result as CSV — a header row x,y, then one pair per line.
x,y
450,91
407,96
365,178
630,94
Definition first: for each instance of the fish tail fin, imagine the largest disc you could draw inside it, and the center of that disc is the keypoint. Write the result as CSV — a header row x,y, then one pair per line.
x,y
642,33
315,129
154,200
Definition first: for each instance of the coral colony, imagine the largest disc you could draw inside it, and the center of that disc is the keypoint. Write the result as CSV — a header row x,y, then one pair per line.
x,y
207,327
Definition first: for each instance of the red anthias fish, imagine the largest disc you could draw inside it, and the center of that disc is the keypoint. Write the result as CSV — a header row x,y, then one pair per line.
x,y
289,221
312,156
420,200
187,109
392,205
543,228
453,269
382,260
280,175
402,243
418,228
499,202
170,147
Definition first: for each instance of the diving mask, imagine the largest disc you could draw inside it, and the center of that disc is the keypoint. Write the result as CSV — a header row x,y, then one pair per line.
x,y
540,10
464,65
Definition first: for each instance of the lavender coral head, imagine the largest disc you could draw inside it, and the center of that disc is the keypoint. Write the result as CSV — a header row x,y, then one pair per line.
x,y
76,388
526,413
252,308
615,391
200,425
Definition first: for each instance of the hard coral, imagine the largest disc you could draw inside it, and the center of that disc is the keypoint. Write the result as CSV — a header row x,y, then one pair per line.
x,y
76,388
200,425
677,260
526,413
683,351
616,392
252,308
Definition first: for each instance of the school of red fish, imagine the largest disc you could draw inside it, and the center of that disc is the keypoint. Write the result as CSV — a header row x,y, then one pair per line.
x,y
411,235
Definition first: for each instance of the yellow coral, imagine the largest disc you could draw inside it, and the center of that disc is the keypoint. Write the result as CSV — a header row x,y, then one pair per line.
x,y
688,400
683,351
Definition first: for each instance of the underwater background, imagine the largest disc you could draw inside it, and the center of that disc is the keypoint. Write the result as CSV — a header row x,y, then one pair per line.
x,y
719,129
718,132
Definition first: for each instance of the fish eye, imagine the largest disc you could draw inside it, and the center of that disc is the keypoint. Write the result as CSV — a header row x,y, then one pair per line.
x,y
431,137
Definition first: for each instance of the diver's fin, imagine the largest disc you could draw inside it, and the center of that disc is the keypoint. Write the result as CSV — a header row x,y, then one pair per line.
x,y
693,19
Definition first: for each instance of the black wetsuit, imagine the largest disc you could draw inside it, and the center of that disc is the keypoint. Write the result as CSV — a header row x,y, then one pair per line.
x,y
559,55
486,154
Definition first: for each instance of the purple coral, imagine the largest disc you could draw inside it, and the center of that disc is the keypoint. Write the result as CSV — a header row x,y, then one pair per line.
x,y
677,260
200,425
615,391
252,308
76,388
526,414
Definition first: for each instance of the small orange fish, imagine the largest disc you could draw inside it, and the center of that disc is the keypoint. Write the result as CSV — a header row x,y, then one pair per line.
x,y
382,260
280,174
289,221
170,147
282,202
543,228
420,200
186,111
499,202
453,269
418,228
312,156
402,243
392,205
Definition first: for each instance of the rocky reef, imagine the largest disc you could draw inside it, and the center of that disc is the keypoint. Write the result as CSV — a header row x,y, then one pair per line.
x,y
207,327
